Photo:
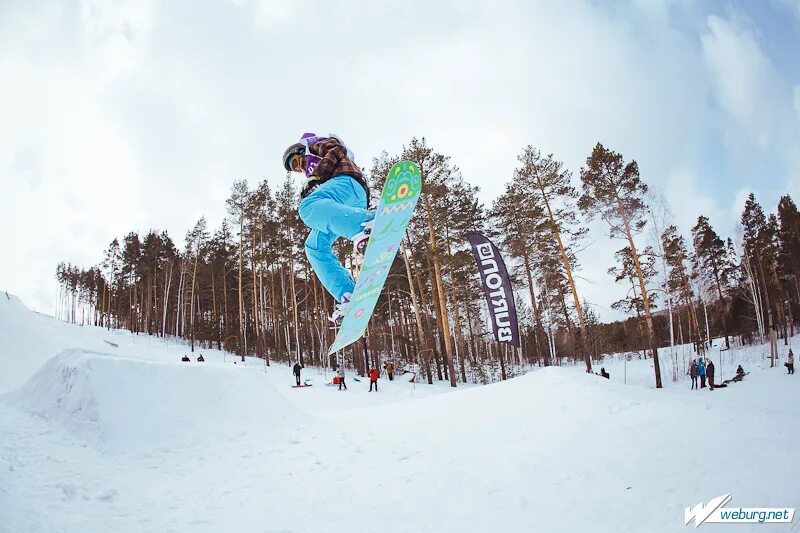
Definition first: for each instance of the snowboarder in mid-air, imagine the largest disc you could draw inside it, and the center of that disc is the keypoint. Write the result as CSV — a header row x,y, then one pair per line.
x,y
334,202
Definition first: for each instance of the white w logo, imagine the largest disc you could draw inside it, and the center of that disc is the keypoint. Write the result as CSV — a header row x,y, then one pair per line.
x,y
701,511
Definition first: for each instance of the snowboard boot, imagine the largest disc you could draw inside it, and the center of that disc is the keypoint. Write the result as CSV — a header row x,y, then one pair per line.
x,y
340,309
361,239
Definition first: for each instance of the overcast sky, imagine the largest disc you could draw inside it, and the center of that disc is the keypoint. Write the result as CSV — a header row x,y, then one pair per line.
x,y
131,115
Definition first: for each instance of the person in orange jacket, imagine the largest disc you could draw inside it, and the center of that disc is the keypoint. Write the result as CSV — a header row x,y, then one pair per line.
x,y
373,379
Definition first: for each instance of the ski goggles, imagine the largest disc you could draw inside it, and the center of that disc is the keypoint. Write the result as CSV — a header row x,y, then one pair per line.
x,y
296,163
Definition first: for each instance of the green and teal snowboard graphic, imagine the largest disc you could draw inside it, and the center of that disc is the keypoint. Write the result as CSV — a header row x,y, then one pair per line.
x,y
398,199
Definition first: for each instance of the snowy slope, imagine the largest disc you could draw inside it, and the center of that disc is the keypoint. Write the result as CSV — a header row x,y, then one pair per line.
x,y
130,439
124,404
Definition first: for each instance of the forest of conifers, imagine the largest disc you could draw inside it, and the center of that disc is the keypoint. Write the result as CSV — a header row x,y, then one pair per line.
x,y
247,287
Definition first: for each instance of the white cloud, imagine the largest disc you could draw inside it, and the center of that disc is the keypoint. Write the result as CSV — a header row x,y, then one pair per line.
x,y
749,87
792,6
797,101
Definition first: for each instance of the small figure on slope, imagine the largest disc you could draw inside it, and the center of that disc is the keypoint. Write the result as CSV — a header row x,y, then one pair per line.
x,y
374,373
789,364
693,370
710,373
340,375
739,376
334,203
296,371
701,371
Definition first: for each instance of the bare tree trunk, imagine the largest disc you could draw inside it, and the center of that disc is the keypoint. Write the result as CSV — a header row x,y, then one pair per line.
x,y
214,319
438,316
568,270
191,308
754,292
226,316
538,329
294,307
723,310
645,299
167,286
241,293
256,314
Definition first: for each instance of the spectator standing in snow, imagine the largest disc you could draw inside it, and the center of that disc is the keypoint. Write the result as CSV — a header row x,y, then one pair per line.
x,y
340,374
790,362
710,373
693,373
701,371
373,379
389,370
296,371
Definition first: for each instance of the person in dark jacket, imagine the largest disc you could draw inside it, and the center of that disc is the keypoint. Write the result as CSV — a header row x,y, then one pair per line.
x,y
185,359
790,362
605,374
201,359
693,373
710,373
373,378
296,371
739,376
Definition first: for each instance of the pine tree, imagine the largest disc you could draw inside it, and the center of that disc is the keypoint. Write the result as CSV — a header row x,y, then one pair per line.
x,y
195,243
754,226
547,179
712,263
789,254
237,208
437,174
131,260
625,271
679,281
614,191
520,226
112,263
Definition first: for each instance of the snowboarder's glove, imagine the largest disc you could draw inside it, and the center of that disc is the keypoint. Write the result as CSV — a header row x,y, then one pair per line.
x,y
309,185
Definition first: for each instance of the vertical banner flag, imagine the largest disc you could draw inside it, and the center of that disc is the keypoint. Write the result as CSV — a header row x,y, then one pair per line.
x,y
497,288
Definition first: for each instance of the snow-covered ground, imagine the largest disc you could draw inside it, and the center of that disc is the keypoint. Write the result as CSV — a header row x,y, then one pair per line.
x,y
101,438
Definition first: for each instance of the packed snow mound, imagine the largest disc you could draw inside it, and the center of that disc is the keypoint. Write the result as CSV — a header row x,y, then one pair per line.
x,y
119,403
10,304
29,339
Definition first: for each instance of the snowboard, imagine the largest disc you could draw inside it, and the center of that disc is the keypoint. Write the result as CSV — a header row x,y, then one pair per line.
x,y
396,207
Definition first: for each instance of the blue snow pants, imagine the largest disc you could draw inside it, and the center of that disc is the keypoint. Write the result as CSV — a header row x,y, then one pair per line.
x,y
335,209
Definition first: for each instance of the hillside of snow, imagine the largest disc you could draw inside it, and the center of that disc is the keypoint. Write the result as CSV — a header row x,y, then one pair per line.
x,y
95,437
